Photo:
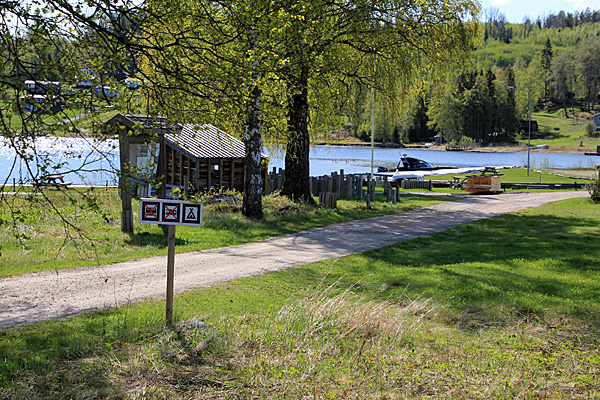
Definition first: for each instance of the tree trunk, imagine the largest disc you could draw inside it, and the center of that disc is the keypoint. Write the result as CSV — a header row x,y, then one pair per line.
x,y
252,205
296,181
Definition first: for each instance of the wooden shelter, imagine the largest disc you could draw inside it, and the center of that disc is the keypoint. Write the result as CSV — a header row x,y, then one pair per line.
x,y
203,158
158,155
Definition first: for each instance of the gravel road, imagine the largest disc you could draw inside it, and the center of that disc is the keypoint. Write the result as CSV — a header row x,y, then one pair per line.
x,y
56,294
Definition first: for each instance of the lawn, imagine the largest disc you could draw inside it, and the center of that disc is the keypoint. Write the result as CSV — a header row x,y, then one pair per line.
x,y
56,229
563,134
503,308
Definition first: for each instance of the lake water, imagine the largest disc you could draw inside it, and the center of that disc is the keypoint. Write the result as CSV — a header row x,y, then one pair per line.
x,y
92,162
83,161
326,159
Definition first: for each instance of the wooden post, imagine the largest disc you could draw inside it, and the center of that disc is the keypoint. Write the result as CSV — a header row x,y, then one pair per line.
x,y
396,194
373,186
197,177
170,274
124,184
319,185
188,172
359,187
328,200
162,169
349,187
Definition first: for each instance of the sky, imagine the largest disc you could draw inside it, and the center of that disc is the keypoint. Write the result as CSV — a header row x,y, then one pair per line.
x,y
516,10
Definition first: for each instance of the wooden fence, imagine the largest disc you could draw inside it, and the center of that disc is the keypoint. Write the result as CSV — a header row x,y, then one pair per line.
x,y
341,186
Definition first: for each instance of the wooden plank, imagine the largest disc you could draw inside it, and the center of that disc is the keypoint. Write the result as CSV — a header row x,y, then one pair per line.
x,y
188,172
209,174
172,166
197,183
180,158
478,186
232,186
220,173
162,168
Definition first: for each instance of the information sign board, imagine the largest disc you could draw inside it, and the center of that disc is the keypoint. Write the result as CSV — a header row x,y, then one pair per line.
x,y
170,212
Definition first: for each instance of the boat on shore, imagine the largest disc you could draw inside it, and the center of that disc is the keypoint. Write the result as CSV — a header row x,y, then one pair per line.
x,y
407,163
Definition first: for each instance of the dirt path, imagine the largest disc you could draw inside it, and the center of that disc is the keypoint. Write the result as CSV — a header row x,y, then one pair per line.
x,y
50,295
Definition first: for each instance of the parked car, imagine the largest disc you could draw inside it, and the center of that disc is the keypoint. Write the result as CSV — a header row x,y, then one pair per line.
x,y
37,103
107,91
42,87
132,83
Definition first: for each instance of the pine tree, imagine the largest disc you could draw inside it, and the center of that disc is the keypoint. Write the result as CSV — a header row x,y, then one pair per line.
x,y
546,61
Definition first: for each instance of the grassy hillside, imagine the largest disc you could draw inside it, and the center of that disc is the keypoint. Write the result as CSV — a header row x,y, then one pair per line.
x,y
563,134
493,52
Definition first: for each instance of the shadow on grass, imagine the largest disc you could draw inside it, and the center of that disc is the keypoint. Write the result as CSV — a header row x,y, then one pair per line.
x,y
547,134
515,263
58,359
154,239
487,273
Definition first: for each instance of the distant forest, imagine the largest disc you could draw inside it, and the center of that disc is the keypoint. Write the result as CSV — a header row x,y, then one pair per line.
x,y
556,59
496,26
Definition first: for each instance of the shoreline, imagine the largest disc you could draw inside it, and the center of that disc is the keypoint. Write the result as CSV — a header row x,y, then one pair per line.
x,y
490,149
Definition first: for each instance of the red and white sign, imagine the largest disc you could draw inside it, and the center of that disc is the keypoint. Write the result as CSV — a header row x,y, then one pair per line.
x,y
170,212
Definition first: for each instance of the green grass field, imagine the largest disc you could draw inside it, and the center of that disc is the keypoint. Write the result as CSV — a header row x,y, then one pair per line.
x,y
563,134
502,308
82,228
519,175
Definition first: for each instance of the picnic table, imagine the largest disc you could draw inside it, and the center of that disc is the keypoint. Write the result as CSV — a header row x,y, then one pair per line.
x,y
460,182
54,180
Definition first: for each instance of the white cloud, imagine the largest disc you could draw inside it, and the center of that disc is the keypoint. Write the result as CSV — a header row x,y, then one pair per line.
x,y
580,5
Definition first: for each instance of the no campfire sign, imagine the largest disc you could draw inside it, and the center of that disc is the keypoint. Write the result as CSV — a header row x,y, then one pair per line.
x,y
170,212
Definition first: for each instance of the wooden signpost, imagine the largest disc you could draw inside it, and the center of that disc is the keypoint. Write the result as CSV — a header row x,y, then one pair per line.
x,y
171,213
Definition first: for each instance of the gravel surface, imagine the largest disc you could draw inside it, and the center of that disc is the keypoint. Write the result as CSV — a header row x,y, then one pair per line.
x,y
56,294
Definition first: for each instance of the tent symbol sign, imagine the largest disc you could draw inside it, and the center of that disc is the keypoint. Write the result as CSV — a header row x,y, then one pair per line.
x,y
192,214
170,212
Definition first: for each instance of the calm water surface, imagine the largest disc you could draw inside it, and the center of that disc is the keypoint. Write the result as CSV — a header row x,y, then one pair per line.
x,y
88,161
326,159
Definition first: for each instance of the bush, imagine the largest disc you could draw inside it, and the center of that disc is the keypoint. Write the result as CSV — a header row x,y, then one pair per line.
x,y
590,129
594,189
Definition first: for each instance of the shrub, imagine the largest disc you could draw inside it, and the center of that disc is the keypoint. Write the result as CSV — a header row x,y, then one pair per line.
x,y
594,189
590,129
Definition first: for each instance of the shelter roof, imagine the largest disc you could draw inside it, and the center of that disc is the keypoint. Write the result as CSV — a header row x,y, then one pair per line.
x,y
149,123
193,140
205,141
